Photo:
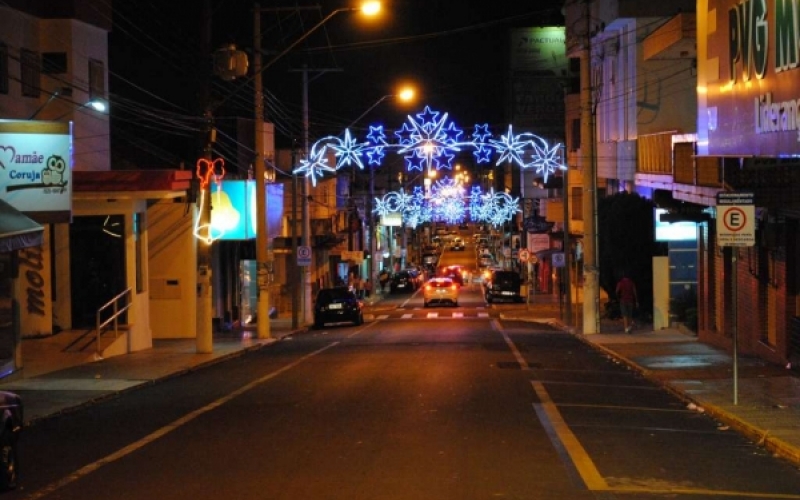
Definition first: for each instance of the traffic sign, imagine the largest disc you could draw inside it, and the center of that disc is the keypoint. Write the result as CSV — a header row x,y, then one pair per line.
x,y
523,255
736,220
559,260
303,256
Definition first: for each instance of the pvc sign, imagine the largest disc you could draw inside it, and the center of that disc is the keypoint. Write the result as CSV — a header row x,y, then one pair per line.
x,y
36,168
233,209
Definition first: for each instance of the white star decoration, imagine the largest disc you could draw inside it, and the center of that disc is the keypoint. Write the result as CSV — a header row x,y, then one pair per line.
x,y
429,141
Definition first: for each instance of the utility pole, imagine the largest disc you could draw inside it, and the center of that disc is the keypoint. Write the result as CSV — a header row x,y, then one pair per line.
x,y
204,342
591,271
307,289
263,257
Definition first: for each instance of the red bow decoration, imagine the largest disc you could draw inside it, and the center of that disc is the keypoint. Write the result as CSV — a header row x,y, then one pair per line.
x,y
206,169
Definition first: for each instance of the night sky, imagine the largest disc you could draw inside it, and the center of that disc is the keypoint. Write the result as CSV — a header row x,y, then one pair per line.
x,y
454,51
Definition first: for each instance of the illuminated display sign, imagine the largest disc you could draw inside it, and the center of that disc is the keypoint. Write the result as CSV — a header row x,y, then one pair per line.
x,y
36,168
233,209
751,102
674,231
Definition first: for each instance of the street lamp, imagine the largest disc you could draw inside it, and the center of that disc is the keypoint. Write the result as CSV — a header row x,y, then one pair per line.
x,y
406,94
263,256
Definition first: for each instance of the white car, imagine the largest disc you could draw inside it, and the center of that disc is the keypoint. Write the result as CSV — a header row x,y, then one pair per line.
x,y
440,291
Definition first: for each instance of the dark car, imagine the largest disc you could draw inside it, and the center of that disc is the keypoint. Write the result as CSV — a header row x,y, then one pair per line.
x,y
403,282
337,305
503,285
11,407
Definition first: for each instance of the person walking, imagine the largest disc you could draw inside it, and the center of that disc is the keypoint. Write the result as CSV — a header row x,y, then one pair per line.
x,y
628,301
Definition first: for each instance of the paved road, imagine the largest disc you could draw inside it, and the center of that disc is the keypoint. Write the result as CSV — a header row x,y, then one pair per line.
x,y
401,409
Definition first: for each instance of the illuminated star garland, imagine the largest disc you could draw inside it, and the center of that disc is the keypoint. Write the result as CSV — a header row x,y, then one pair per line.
x,y
429,141
447,202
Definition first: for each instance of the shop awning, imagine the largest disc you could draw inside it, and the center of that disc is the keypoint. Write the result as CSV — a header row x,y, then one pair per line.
x,y
17,230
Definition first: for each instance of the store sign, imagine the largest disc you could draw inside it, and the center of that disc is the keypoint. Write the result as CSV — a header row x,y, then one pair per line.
x,y
753,102
233,209
36,168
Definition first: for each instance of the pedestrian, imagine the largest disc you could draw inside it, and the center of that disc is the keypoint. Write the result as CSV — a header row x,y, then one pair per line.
x,y
367,288
628,301
359,287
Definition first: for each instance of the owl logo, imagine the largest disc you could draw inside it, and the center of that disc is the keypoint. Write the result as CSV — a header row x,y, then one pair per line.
x,y
53,173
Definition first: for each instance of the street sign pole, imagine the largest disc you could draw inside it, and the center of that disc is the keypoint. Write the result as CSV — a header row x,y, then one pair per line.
x,y
735,228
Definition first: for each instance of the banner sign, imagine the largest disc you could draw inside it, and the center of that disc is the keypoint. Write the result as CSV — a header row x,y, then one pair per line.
x,y
36,168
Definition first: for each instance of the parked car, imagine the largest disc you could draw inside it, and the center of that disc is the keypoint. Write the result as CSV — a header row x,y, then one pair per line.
x,y
440,291
337,305
503,285
403,281
11,409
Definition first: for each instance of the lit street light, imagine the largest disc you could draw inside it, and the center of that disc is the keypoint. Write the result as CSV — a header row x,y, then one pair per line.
x,y
263,256
406,95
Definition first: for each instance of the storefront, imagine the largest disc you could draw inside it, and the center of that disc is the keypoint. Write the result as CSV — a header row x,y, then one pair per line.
x,y
749,121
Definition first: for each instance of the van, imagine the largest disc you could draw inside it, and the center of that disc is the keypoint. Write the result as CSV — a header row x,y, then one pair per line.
x,y
503,285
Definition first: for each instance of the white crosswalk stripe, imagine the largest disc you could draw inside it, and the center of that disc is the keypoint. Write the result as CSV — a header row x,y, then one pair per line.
x,y
407,316
433,315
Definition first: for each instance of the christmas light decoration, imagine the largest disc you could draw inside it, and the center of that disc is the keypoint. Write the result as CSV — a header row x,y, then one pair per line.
x,y
430,141
209,171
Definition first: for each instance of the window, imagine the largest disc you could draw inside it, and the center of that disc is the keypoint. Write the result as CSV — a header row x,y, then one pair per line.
x,y
576,205
97,80
29,70
3,68
575,139
54,63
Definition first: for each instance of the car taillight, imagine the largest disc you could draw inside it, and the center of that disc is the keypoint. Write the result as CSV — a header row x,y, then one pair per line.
x,y
454,287
427,287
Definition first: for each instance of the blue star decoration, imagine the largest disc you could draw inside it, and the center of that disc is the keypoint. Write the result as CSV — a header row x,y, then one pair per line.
x,y
429,140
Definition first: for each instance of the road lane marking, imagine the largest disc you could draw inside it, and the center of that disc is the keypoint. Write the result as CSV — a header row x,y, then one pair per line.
x,y
483,315
458,314
582,468
407,316
496,326
433,315
565,441
174,425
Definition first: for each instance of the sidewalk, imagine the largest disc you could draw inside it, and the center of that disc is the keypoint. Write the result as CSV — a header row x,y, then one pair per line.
x,y
768,409
55,382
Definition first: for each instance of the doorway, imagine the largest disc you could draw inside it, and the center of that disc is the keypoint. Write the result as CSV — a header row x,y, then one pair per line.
x,y
97,265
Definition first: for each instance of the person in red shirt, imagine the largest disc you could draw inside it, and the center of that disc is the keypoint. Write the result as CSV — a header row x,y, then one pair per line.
x,y
628,301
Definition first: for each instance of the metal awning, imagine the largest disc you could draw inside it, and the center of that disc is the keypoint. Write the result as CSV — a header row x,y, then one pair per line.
x,y
17,230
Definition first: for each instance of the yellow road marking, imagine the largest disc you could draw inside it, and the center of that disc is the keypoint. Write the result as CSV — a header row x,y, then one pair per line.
x,y
583,463
591,476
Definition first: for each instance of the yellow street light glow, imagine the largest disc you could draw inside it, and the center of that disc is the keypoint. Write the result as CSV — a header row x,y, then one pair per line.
x,y
406,94
371,8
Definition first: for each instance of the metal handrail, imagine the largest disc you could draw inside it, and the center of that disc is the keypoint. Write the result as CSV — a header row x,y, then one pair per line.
x,y
114,317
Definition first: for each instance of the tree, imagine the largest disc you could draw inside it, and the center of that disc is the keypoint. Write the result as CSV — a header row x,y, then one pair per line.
x,y
626,244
